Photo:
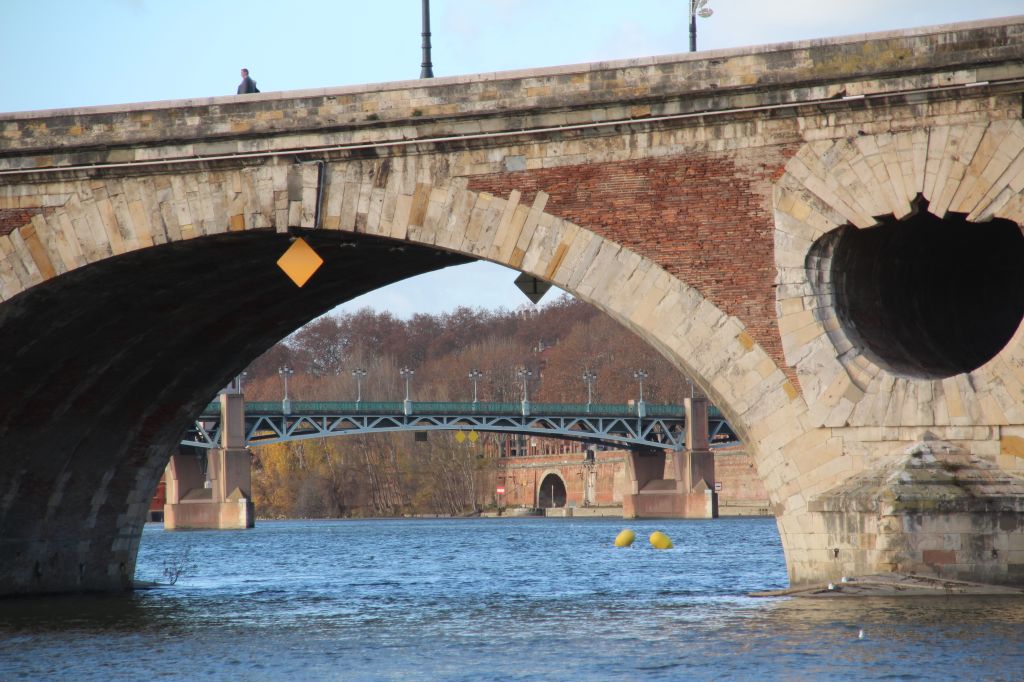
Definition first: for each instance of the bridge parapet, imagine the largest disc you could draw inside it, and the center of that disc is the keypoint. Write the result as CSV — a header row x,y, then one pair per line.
x,y
462,108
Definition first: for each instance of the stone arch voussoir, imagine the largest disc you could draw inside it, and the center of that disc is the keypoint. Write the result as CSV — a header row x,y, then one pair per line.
x,y
976,170
413,198
697,336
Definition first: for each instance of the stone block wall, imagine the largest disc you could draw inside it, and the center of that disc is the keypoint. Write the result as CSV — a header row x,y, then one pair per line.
x,y
743,492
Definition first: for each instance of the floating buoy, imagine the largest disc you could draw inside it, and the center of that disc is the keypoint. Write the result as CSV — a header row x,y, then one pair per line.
x,y
660,541
625,538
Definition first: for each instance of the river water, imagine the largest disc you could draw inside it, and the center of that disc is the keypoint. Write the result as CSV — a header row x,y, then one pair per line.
x,y
494,599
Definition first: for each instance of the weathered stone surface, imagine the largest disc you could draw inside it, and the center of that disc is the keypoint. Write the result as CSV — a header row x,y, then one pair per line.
x,y
936,509
684,196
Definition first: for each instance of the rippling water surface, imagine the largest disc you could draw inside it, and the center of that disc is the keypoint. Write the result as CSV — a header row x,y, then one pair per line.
x,y
501,599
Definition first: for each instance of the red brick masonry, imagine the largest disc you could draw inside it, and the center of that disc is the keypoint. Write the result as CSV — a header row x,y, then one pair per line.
x,y
13,218
704,217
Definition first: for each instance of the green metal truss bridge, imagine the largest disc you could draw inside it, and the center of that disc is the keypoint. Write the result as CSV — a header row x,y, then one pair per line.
x,y
635,424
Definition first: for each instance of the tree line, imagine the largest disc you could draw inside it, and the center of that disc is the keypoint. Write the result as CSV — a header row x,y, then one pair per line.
x,y
396,474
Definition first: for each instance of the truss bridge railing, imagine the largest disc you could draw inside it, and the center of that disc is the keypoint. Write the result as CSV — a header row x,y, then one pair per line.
x,y
632,424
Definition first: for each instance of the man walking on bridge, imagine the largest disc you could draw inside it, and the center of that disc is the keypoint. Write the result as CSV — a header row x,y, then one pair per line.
x,y
247,85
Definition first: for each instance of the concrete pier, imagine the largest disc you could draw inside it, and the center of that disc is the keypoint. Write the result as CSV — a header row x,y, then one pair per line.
x,y
220,498
688,491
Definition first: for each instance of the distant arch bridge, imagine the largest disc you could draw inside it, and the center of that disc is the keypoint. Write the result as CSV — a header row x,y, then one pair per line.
x,y
631,425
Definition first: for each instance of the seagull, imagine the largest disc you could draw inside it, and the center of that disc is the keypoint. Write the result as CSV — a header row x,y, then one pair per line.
x,y
860,635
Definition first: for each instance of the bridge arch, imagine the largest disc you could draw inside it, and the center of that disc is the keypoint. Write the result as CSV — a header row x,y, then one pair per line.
x,y
106,269
551,491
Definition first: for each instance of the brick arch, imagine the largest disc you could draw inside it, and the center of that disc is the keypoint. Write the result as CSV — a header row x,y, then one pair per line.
x,y
545,477
126,304
975,170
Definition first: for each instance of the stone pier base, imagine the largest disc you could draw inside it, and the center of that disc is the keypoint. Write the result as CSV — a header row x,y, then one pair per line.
x,y
217,500
194,514
216,496
680,494
936,510
653,504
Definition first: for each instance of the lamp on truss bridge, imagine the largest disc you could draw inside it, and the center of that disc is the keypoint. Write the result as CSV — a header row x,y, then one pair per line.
x,y
640,375
589,377
406,374
474,376
359,373
525,375
285,372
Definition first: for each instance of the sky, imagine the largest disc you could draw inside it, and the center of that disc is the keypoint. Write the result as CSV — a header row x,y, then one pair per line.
x,y
74,53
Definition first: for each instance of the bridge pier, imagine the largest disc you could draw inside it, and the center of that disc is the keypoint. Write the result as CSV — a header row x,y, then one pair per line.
x,y
687,491
933,509
222,498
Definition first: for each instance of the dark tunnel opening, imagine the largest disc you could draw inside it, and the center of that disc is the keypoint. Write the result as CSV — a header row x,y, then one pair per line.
x,y
929,297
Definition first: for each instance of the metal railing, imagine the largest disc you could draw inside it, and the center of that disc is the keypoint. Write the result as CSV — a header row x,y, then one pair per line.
x,y
430,407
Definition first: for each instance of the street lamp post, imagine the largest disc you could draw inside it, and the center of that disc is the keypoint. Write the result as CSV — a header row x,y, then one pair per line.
x,y
640,375
698,8
589,377
525,375
474,376
426,68
407,375
359,373
236,384
285,372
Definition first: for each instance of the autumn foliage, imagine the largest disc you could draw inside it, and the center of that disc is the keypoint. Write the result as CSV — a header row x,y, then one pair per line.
x,y
395,474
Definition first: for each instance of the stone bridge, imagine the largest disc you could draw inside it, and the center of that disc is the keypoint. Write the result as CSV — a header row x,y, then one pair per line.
x,y
824,235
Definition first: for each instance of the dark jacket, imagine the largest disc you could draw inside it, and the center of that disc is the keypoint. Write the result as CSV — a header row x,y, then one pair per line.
x,y
248,85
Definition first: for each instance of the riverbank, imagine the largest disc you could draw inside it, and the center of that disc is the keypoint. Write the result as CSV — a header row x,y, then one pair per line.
x,y
555,512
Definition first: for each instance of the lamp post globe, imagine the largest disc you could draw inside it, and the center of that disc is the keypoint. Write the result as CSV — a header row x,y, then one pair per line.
x,y
589,377
474,376
698,8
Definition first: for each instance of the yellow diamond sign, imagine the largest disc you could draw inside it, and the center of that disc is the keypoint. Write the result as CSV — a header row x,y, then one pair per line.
x,y
300,261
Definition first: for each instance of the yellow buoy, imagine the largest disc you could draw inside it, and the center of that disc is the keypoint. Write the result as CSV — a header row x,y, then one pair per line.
x,y
625,538
660,541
